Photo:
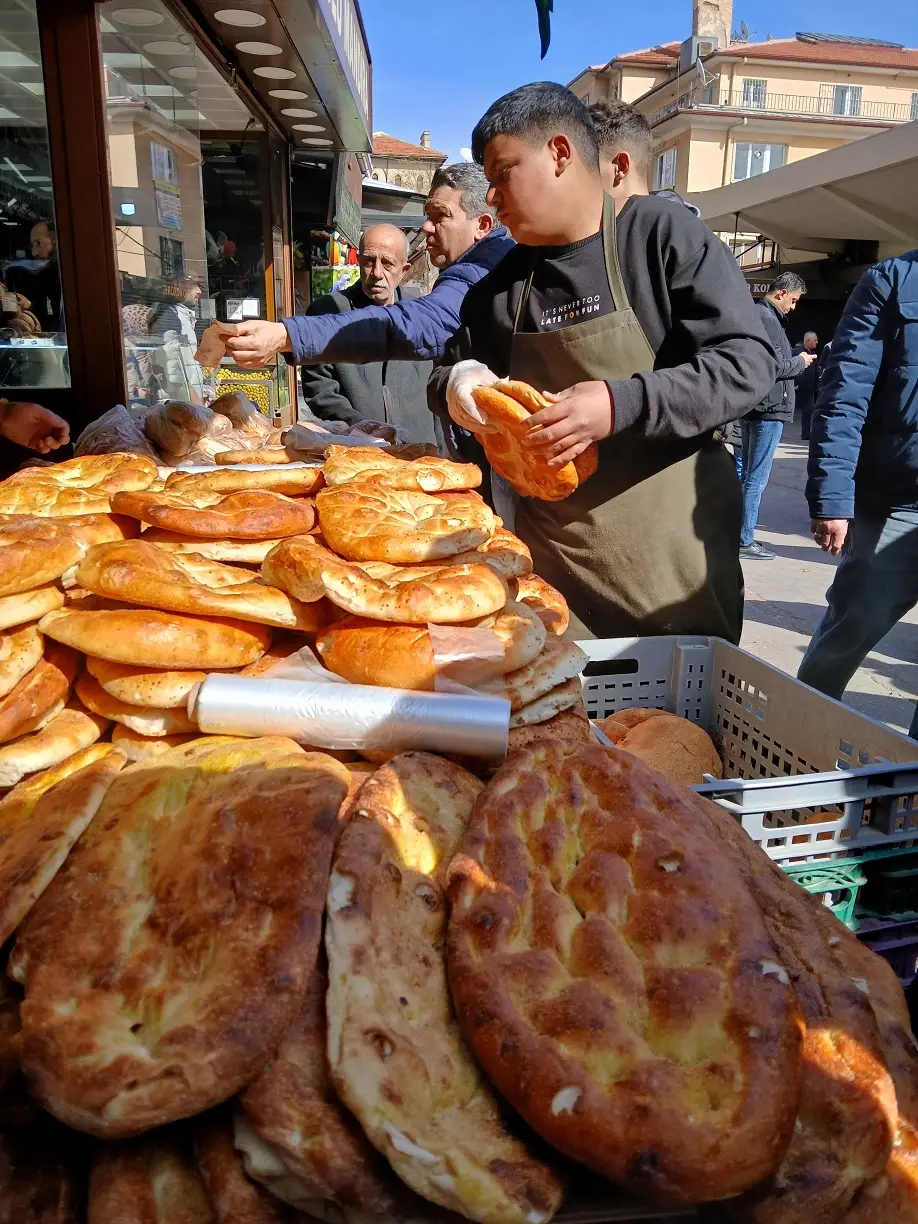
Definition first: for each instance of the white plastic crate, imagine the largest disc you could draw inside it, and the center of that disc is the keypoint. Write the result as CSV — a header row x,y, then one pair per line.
x,y
806,775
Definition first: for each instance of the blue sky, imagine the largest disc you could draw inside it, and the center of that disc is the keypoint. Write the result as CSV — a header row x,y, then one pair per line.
x,y
438,64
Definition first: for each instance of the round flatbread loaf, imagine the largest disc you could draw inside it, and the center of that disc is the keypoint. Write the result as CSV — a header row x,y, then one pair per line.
x,y
73,729
344,464
364,651
137,747
218,516
144,720
142,573
200,888
26,647
148,687
267,454
39,696
677,747
615,979
111,473
549,604
414,594
236,552
504,552
292,481
396,1056
368,521
41,819
563,697
570,724
559,662
29,605
35,552
509,405
159,639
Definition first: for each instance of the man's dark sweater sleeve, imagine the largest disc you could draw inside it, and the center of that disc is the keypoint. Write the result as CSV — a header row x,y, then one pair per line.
x,y
730,364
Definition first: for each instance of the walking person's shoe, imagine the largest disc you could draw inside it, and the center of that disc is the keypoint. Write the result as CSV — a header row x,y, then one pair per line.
x,y
756,552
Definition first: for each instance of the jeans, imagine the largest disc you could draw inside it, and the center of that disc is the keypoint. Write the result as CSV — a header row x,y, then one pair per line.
x,y
875,584
760,441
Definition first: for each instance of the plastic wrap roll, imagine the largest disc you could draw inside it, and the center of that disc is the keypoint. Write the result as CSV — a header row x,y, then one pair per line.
x,y
351,715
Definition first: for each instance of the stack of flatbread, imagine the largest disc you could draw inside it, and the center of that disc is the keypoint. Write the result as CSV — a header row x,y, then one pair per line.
x,y
436,592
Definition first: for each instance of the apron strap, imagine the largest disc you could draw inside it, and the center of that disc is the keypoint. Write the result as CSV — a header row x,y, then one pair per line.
x,y
524,294
610,247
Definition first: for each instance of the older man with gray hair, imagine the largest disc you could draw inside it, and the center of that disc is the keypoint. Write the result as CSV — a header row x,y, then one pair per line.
x,y
463,240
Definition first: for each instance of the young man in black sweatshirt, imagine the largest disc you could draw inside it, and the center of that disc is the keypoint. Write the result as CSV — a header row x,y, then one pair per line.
x,y
638,320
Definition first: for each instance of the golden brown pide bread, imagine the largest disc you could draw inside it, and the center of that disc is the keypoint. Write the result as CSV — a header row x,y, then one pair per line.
x,y
249,515
234,1199
81,486
200,887
615,979
508,406
150,1181
301,1142
293,481
346,463
397,1058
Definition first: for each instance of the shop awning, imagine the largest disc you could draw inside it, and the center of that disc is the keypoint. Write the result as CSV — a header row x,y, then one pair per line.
x,y
864,191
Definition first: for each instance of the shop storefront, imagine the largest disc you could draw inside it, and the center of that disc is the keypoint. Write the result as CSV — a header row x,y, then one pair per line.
x,y
163,165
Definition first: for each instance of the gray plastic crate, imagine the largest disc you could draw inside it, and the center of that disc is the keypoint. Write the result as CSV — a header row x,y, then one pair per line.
x,y
806,775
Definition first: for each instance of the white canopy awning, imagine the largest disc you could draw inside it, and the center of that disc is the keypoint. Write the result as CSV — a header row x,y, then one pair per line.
x,y
866,190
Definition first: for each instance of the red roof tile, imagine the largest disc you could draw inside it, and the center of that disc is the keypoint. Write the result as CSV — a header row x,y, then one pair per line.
x,y
665,54
385,145
858,55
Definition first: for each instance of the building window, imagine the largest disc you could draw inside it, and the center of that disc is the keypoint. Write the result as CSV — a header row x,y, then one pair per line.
x,y
847,100
755,90
752,159
171,257
33,344
664,171
914,109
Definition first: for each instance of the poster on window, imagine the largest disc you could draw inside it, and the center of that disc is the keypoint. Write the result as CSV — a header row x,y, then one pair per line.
x,y
169,209
162,164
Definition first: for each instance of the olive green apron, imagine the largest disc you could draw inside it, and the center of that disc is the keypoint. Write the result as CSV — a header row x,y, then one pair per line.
x,y
650,543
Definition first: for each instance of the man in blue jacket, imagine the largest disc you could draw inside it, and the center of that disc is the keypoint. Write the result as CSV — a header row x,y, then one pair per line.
x,y
463,240
863,473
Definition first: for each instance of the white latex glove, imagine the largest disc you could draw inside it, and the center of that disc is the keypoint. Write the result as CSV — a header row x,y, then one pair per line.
x,y
464,377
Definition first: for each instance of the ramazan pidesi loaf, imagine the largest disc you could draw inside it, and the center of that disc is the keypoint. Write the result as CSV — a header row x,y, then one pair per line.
x,y
25,647
74,728
559,662
142,573
149,1181
344,464
148,687
409,594
40,695
292,481
504,552
29,606
219,516
396,1056
200,887
615,978
147,720
237,552
233,1197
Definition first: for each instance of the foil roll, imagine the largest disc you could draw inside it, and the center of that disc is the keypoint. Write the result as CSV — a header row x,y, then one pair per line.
x,y
355,716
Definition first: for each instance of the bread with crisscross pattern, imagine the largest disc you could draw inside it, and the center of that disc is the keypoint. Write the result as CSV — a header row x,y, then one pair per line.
x,y
615,980
199,887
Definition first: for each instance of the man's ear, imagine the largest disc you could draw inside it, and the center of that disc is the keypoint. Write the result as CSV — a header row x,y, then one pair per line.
x,y
560,149
622,163
485,224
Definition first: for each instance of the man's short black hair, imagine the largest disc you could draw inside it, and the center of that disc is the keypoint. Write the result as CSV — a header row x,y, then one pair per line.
x,y
622,129
535,112
789,281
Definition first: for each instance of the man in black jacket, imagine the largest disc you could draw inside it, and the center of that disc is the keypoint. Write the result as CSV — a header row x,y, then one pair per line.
x,y
805,386
392,391
762,428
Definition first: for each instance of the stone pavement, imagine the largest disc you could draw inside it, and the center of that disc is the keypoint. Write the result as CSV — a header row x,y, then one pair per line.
x,y
785,598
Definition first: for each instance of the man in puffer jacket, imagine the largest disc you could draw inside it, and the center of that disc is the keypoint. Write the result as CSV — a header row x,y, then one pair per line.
x,y
863,473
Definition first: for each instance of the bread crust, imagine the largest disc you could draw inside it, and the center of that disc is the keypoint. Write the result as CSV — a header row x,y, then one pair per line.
x,y
395,1053
150,1181
201,884
504,552
568,724
139,747
344,464
265,454
29,605
549,604
111,473
234,516
35,552
238,552
367,521
40,695
615,979
405,656
292,481
73,729
24,649
559,662
233,1197
677,747
408,594
142,573
41,819
293,1107
146,720
159,639
509,405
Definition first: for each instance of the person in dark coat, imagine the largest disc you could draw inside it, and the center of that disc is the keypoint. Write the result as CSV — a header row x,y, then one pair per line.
x,y
762,428
391,391
862,485
805,386
462,239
